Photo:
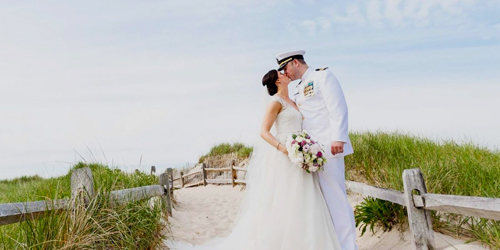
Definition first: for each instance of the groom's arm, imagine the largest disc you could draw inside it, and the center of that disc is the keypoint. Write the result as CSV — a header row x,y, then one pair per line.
x,y
337,111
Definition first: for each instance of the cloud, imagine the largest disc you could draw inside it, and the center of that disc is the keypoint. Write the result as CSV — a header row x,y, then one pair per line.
x,y
352,15
324,23
398,13
355,15
393,13
309,26
373,13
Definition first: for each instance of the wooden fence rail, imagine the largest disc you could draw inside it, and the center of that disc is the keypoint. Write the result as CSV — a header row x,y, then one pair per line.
x,y
20,211
205,180
82,188
419,203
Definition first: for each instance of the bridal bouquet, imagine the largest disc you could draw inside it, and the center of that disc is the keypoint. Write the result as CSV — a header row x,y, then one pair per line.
x,y
305,153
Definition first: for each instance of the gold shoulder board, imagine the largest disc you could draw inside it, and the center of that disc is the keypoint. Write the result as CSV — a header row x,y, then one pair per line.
x,y
321,69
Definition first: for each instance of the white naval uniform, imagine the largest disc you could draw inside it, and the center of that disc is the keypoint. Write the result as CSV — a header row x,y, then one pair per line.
x,y
324,110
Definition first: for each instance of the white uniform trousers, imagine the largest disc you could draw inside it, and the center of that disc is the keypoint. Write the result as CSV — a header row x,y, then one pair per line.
x,y
332,182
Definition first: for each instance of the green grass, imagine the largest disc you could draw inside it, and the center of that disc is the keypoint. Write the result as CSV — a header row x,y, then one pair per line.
x,y
99,226
384,214
240,149
448,168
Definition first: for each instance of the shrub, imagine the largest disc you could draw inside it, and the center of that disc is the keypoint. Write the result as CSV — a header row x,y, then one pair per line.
x,y
375,212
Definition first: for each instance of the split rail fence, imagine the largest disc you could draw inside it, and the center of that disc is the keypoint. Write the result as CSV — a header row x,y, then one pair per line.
x,y
82,186
202,176
419,204
415,198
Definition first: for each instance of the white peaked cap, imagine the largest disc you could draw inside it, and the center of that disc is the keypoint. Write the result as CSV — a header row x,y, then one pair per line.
x,y
284,58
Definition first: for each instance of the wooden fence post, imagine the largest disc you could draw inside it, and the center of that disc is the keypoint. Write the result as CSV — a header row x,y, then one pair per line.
x,y
233,173
204,172
82,184
418,218
182,180
165,198
171,181
153,169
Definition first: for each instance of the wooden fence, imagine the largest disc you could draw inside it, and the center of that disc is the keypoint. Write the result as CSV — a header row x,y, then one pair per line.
x,y
202,176
415,198
419,204
82,187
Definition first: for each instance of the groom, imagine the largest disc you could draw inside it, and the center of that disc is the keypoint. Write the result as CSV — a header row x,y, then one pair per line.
x,y
322,104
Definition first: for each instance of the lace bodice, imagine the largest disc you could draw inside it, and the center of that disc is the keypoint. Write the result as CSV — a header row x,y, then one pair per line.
x,y
289,120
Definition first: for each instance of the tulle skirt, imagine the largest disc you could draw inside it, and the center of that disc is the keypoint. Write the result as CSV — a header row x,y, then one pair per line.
x,y
283,209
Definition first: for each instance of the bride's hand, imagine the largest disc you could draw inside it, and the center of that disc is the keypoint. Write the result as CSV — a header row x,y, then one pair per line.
x,y
282,148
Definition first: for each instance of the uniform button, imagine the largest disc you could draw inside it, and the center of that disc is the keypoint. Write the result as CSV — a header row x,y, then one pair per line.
x,y
299,104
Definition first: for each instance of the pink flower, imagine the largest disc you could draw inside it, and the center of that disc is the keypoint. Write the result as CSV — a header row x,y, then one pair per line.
x,y
319,154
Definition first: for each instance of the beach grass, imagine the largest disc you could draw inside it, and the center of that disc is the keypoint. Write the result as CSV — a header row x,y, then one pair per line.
x,y
447,167
100,225
241,150
379,160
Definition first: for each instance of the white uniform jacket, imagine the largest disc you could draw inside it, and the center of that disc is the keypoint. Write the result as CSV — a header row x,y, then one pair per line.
x,y
324,110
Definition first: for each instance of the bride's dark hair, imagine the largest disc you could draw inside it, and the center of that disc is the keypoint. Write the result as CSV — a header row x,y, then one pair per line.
x,y
269,80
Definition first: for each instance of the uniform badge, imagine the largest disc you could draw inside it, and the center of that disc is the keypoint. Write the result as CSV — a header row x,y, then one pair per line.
x,y
309,90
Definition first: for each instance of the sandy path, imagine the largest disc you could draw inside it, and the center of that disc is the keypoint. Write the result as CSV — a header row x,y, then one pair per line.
x,y
203,213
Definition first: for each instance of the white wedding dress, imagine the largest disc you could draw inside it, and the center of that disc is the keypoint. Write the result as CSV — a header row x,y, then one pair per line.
x,y
283,208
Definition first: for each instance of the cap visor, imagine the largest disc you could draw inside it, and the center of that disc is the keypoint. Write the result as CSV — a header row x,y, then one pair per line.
x,y
281,67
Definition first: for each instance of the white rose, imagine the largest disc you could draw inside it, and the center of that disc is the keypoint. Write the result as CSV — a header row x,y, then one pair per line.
x,y
294,158
300,160
314,149
313,169
307,157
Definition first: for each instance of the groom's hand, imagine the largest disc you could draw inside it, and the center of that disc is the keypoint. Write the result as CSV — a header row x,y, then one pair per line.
x,y
337,147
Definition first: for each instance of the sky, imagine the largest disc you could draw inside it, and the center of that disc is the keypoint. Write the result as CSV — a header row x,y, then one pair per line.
x,y
133,84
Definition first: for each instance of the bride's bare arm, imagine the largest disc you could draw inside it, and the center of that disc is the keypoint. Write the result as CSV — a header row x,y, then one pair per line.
x,y
269,117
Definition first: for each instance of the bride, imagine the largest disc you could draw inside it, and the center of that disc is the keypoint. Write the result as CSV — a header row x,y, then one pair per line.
x,y
283,206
